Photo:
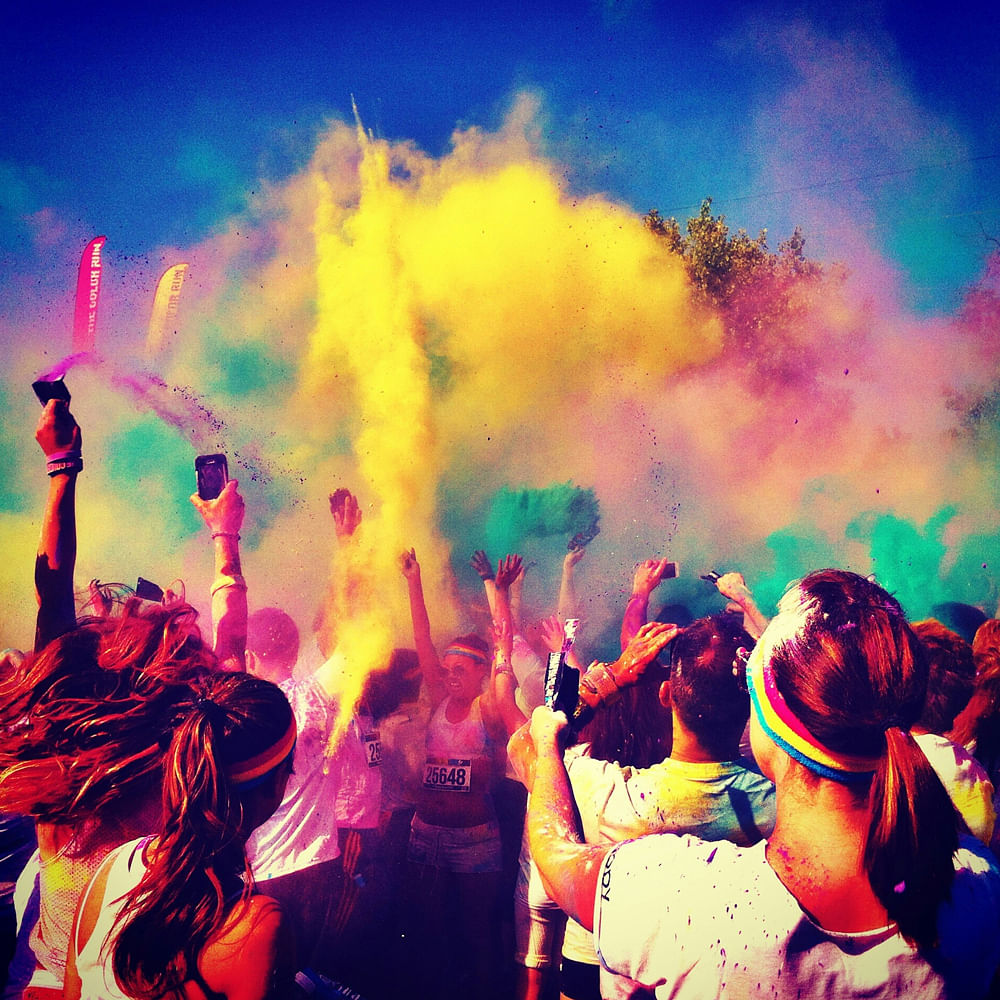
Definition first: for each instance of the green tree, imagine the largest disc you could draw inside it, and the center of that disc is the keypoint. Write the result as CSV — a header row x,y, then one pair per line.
x,y
762,296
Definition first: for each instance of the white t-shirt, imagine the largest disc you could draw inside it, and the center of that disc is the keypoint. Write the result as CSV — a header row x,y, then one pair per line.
x,y
715,801
303,830
403,735
696,920
358,764
94,961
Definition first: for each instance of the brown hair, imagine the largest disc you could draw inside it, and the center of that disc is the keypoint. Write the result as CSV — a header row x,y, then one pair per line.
x,y
187,892
84,722
635,730
708,684
978,725
951,677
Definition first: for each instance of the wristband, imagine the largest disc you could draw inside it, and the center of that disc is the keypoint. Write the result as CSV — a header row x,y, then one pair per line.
x,y
221,582
58,467
600,682
226,534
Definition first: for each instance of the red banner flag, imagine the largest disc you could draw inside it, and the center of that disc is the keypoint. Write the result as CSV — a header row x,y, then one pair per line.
x,y
88,291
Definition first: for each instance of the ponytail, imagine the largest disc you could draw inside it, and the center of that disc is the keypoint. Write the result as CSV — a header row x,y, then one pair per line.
x,y
912,835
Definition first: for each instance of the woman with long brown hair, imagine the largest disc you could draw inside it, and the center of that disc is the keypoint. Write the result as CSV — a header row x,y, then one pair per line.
x,y
175,915
83,726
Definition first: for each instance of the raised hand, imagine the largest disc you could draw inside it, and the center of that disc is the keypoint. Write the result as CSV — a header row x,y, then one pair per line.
x,y
480,562
641,651
733,586
57,430
409,565
508,570
224,514
552,633
648,575
346,513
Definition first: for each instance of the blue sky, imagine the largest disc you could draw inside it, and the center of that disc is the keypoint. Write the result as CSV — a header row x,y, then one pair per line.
x,y
153,125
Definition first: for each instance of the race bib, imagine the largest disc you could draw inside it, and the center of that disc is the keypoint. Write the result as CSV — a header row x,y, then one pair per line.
x,y
442,774
373,748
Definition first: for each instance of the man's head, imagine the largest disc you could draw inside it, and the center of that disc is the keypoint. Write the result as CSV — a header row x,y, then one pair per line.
x,y
273,639
707,686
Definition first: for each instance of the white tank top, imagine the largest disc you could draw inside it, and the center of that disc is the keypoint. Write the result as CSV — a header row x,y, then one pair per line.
x,y
467,738
94,959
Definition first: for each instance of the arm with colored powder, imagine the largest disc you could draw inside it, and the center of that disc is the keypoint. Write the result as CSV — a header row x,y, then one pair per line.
x,y
647,577
733,586
601,684
59,437
569,867
224,518
503,684
568,603
339,597
430,664
480,562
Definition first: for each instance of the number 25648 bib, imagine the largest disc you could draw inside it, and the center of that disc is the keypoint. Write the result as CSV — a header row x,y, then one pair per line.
x,y
444,774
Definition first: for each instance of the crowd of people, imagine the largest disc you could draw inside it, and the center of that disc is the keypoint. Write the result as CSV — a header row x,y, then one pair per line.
x,y
735,806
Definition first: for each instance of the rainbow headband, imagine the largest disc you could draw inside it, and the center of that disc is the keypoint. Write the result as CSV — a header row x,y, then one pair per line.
x,y
254,770
460,649
784,729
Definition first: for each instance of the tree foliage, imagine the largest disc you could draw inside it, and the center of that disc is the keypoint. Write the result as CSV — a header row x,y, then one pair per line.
x,y
761,295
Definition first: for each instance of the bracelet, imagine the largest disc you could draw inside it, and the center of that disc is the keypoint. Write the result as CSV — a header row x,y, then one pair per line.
x,y
58,456
57,467
221,582
600,682
226,534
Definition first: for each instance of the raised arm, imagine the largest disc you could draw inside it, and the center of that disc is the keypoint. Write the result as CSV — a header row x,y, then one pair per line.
x,y
480,562
646,579
552,634
569,867
346,513
568,604
59,437
224,518
503,684
430,664
733,586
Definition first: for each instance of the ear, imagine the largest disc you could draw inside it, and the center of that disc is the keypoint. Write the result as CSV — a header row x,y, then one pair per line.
x,y
664,694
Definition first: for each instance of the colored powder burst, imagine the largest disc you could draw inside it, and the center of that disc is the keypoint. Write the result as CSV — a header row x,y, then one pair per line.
x,y
560,509
906,559
435,332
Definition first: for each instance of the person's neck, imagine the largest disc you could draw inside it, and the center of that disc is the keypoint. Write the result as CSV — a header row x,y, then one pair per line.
x,y
817,851
687,748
